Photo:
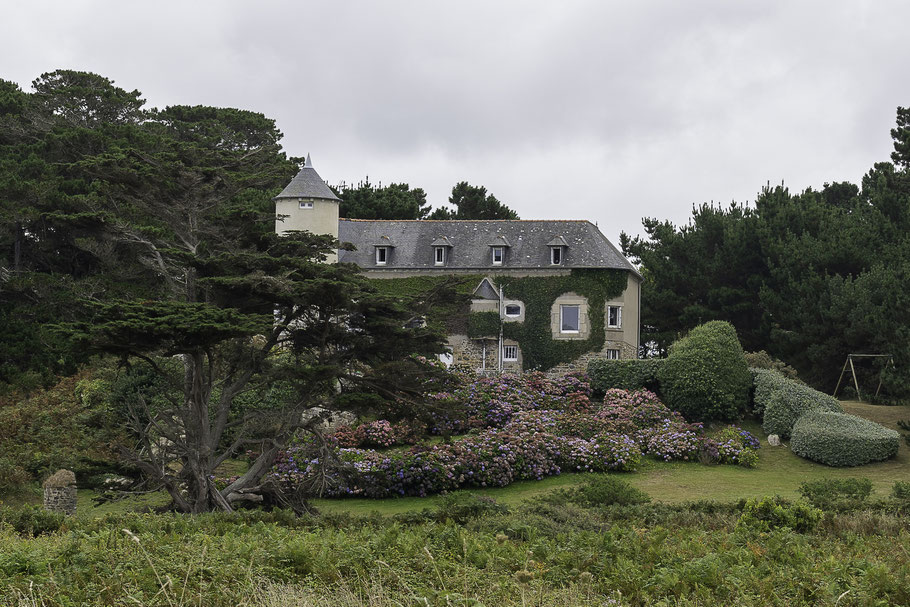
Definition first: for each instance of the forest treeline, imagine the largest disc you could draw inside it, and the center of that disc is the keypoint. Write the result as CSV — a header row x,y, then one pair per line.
x,y
809,277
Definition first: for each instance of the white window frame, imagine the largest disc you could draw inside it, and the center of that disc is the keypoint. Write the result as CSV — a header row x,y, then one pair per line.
x,y
382,256
618,323
562,324
439,256
612,354
502,255
306,204
506,350
555,256
506,310
447,358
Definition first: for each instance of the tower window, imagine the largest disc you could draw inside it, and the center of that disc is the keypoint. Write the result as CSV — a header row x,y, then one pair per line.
x,y
555,256
306,204
497,256
382,255
440,256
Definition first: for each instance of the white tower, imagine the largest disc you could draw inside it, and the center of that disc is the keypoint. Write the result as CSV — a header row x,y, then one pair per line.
x,y
307,203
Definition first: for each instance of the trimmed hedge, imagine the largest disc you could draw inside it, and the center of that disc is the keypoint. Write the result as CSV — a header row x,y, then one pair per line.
x,y
782,401
838,439
625,374
705,376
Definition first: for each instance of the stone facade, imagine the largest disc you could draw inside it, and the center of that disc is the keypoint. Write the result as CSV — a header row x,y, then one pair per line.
x,y
60,493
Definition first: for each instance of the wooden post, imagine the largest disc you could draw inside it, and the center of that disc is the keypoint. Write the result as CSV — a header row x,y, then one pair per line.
x,y
855,381
842,371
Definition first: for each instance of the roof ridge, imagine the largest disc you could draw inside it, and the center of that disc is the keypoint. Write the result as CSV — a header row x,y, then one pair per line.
x,y
471,220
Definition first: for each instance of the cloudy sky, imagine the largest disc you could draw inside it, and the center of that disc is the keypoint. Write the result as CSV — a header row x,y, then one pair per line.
x,y
575,109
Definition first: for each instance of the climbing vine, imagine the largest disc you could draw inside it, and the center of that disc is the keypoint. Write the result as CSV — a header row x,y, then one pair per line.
x,y
539,349
449,309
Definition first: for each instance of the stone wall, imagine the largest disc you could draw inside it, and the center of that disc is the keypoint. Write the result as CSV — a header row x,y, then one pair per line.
x,y
60,492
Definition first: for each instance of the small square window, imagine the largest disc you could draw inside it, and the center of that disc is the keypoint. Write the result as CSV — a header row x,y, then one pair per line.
x,y
510,353
614,317
513,310
613,354
306,204
497,256
569,318
440,256
382,256
556,255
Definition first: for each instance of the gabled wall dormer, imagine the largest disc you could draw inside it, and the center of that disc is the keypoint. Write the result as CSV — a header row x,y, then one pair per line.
x,y
558,246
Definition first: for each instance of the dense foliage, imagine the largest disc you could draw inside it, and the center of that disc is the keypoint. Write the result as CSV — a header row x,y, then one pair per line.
x,y
781,401
808,277
473,202
837,439
705,376
72,425
519,428
632,374
837,494
556,551
394,201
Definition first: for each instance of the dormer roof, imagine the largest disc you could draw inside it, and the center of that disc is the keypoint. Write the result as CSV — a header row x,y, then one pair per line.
x,y
500,241
557,241
383,241
442,241
308,184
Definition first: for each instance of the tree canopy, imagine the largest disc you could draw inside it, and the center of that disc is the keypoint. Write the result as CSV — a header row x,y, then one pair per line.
x,y
394,201
473,202
809,277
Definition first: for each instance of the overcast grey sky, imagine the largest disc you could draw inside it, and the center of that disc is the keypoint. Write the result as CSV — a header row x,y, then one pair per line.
x,y
608,111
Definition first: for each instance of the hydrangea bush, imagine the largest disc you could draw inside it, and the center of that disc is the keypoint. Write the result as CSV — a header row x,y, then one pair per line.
x,y
515,428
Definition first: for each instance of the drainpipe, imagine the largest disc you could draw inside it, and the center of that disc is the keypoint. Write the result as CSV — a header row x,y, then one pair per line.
x,y
501,297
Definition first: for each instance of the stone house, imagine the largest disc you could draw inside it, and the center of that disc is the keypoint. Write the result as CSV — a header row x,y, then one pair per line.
x,y
516,269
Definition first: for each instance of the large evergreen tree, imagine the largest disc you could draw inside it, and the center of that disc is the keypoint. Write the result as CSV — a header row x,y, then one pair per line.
x,y
473,202
153,229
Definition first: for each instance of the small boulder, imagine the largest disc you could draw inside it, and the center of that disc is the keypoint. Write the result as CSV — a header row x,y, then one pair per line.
x,y
774,440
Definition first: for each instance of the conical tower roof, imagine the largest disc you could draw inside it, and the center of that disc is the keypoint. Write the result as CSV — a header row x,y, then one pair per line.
x,y
307,184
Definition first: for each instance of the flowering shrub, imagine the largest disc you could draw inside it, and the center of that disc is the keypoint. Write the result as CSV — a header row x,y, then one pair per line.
x,y
732,445
517,428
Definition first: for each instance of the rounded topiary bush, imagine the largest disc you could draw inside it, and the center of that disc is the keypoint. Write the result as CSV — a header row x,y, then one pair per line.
x,y
705,376
782,401
837,439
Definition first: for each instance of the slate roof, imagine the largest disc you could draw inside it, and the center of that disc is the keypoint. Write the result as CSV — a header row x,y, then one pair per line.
x,y
470,242
307,184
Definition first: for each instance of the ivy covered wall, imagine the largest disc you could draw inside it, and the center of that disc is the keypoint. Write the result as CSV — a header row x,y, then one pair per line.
x,y
451,312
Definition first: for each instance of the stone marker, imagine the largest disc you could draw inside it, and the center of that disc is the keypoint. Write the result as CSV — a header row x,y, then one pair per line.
x,y
60,492
774,440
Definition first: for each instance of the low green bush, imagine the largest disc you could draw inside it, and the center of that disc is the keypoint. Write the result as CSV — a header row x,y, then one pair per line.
x,y
608,491
777,513
781,401
705,376
31,521
837,494
837,439
763,360
625,374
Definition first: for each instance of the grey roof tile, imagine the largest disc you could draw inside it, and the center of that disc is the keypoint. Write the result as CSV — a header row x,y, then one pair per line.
x,y
586,246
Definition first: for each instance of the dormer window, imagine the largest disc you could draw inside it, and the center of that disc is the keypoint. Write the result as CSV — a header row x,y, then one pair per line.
x,y
498,254
555,256
439,256
306,204
382,256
